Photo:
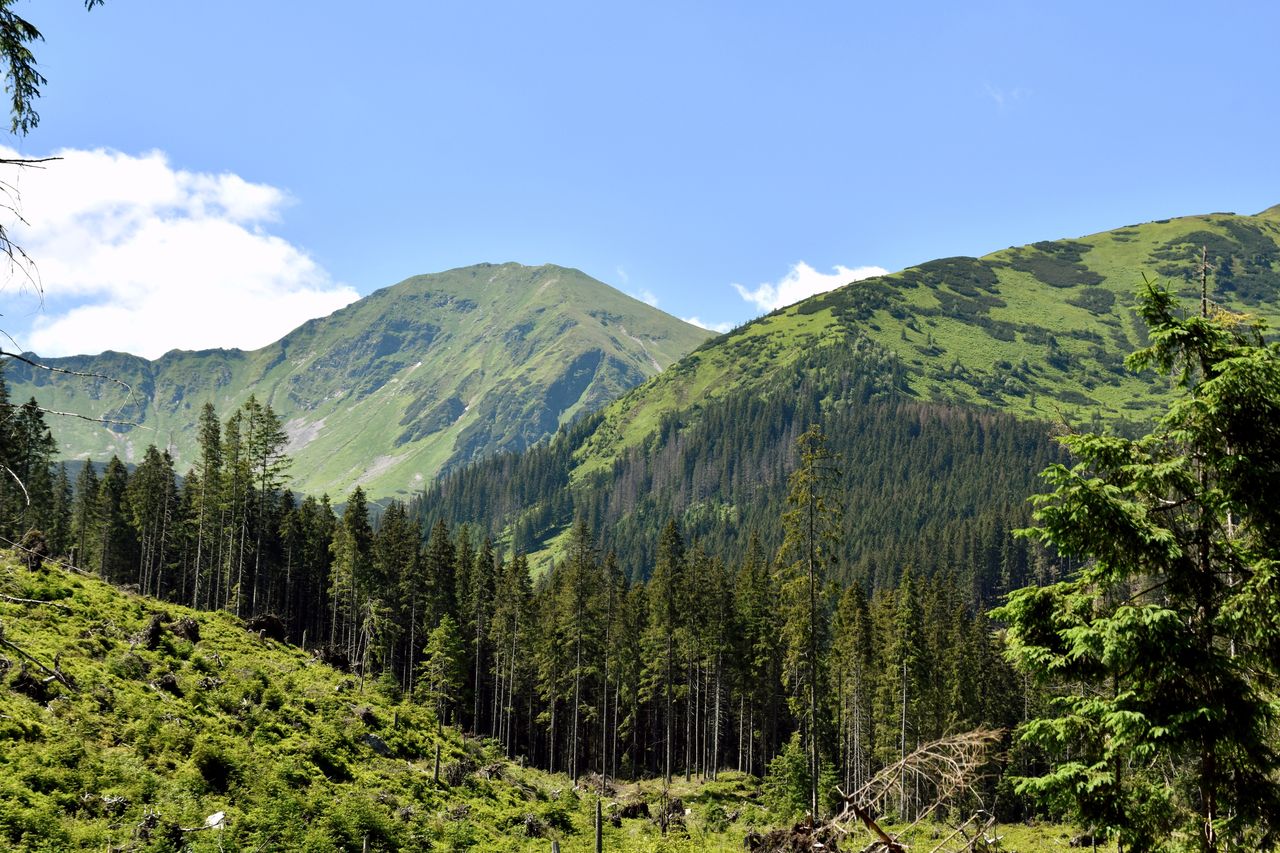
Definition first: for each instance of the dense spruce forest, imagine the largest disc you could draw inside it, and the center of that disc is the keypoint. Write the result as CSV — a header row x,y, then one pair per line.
x,y
795,585
682,666
934,486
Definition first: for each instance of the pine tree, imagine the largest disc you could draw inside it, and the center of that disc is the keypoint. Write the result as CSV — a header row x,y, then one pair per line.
x,y
264,443
84,517
551,656
28,493
117,546
152,499
760,653
440,569
480,609
398,567
208,507
318,523
853,665
611,610
1166,632
234,499
60,512
509,635
11,485
580,626
441,673
900,693
809,550
666,591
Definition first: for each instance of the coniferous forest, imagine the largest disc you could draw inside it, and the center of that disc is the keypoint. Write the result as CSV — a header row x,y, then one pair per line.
x,y
685,664
796,586
977,555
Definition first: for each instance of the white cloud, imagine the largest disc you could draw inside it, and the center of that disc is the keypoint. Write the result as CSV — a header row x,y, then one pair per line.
x,y
138,256
1006,97
648,297
802,282
710,327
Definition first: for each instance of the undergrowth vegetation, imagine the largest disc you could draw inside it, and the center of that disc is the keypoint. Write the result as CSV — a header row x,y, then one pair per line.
x,y
129,724
160,719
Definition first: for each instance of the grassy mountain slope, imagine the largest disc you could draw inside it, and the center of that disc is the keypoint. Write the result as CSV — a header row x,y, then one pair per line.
x,y
940,385
158,731
153,735
432,372
1039,330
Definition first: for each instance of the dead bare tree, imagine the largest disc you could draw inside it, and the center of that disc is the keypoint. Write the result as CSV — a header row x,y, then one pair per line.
x,y
950,768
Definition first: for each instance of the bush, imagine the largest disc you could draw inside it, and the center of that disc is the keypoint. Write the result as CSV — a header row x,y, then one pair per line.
x,y
216,765
786,784
130,667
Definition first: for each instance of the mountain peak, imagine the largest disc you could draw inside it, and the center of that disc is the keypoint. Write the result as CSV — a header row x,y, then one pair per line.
x,y
387,392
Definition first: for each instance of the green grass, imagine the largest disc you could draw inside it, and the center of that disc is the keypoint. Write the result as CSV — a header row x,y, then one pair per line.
x,y
280,743
151,739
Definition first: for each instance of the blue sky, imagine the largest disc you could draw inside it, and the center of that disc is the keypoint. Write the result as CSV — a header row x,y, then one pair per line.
x,y
285,157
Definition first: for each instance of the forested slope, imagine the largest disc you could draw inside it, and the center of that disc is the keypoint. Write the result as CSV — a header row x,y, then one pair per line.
x,y
922,484
162,717
939,385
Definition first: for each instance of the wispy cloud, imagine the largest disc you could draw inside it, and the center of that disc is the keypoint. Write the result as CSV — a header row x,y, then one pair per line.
x,y
710,327
136,255
648,297
801,282
1006,97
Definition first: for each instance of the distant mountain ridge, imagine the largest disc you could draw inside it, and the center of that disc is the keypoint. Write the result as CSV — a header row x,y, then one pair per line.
x,y
426,374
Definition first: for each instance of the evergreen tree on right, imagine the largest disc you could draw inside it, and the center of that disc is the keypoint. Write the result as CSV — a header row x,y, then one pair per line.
x,y
1163,649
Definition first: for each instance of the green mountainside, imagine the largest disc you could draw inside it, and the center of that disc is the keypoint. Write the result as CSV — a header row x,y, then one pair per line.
x,y
1040,331
430,373
940,385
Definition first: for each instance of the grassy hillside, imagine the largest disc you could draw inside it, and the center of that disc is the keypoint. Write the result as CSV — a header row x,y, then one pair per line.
x,y
171,729
1040,330
154,733
432,372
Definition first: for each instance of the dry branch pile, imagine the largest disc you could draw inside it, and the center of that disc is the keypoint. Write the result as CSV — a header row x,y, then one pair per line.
x,y
936,777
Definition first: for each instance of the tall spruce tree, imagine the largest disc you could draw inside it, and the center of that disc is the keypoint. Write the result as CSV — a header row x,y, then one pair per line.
x,y
152,506
27,456
208,507
117,543
666,591
580,627
509,635
59,524
1163,644
442,660
440,568
760,656
264,442
84,517
853,665
812,539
